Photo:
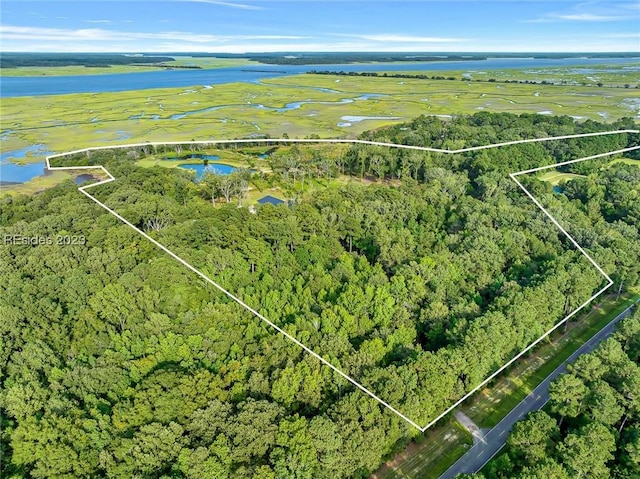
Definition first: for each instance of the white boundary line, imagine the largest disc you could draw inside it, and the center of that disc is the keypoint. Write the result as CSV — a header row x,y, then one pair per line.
x,y
83,189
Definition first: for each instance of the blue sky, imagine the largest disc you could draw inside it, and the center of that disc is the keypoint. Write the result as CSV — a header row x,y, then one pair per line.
x,y
237,26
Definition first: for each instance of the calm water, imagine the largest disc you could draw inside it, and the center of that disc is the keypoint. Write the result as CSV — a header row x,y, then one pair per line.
x,y
34,86
35,150
84,178
13,173
218,168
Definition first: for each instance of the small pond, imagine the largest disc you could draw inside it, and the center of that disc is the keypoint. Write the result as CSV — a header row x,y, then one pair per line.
x,y
84,178
218,168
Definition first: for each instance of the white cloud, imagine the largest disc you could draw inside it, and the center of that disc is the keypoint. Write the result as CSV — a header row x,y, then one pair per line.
x,y
590,11
98,21
35,34
588,17
406,38
229,4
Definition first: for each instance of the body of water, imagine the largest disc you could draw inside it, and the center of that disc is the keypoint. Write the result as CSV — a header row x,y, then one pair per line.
x,y
19,173
58,85
84,178
35,150
15,173
218,168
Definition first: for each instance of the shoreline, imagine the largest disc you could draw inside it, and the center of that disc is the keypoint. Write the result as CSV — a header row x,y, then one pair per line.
x,y
112,81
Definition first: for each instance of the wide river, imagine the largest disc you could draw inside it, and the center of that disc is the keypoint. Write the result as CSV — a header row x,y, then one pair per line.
x,y
58,85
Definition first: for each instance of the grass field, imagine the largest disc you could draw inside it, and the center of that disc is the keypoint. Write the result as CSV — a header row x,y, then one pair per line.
x,y
627,161
556,177
205,63
426,460
64,122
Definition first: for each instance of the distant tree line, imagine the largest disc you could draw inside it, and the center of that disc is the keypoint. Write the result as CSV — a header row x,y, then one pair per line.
x,y
315,58
312,58
14,60
422,76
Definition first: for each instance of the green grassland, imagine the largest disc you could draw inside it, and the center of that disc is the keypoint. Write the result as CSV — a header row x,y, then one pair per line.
x,y
627,161
556,177
204,63
261,184
460,97
65,122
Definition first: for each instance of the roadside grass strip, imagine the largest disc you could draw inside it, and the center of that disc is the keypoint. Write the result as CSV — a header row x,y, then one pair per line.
x,y
513,176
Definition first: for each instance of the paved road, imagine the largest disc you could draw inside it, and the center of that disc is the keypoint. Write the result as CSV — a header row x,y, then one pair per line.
x,y
481,452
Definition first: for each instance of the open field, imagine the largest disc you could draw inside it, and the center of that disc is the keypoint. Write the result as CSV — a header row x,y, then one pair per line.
x,y
205,63
627,161
556,177
426,460
459,97
65,122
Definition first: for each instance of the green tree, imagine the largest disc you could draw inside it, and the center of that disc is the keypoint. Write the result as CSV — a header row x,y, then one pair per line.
x,y
566,396
533,439
581,458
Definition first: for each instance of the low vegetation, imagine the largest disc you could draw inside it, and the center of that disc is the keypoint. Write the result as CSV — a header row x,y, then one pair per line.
x,y
67,122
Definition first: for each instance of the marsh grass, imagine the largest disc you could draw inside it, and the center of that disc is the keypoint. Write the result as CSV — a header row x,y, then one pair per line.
x,y
66,122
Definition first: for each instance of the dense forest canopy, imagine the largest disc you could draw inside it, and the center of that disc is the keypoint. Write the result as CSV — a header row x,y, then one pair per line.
x,y
117,361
